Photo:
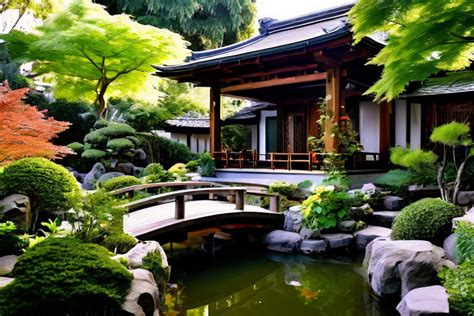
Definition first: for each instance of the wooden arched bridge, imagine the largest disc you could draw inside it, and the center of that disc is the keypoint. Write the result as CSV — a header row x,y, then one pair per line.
x,y
195,205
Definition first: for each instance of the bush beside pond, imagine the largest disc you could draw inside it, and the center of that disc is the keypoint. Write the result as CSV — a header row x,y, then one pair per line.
x,y
65,276
427,219
119,182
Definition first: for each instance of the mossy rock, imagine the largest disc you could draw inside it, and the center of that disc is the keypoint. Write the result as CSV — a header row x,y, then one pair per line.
x,y
427,219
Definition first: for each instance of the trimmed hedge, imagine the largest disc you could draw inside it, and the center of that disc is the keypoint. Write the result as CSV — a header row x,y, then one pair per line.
x,y
47,184
64,276
119,242
119,182
427,219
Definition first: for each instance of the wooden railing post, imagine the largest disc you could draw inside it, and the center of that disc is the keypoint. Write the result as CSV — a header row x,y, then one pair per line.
x,y
275,203
179,207
239,199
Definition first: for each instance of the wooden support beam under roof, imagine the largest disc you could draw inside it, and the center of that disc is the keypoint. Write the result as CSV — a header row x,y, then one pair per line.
x,y
275,82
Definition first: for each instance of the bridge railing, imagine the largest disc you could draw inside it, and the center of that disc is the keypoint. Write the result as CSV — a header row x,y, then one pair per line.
x,y
130,191
179,198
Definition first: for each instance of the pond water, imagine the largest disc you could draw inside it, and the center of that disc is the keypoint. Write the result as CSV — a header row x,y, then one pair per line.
x,y
252,283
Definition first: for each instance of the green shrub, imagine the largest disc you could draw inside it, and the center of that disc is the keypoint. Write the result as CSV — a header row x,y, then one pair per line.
x,y
289,190
179,169
77,147
464,242
48,185
96,137
116,130
165,151
421,164
153,262
427,219
119,182
101,123
325,208
64,276
119,242
153,168
459,283
120,144
208,165
94,154
396,180
193,165
10,243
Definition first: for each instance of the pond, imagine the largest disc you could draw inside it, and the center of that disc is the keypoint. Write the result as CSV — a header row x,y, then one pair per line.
x,y
255,283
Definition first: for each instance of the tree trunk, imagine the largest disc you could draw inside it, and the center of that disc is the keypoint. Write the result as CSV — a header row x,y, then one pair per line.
x,y
440,178
457,183
101,105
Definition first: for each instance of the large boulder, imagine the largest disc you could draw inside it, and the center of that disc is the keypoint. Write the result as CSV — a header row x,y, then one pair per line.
x,y
393,203
469,217
135,255
108,176
466,198
398,266
293,219
338,240
7,263
125,168
17,208
449,246
143,298
313,246
283,241
140,157
364,236
91,178
430,300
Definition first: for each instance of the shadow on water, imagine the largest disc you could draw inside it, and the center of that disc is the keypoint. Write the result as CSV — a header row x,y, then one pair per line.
x,y
250,282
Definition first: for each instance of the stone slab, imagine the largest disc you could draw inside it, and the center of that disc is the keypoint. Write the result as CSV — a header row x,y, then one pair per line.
x,y
338,240
364,236
313,246
431,300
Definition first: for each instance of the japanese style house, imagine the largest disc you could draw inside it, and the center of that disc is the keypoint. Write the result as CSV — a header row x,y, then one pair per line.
x,y
290,66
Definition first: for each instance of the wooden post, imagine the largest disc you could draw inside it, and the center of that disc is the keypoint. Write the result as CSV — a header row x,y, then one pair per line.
x,y
239,199
179,207
333,99
275,203
215,119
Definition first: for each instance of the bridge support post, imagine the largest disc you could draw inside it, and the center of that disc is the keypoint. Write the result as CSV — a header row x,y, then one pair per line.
x,y
275,203
239,199
179,207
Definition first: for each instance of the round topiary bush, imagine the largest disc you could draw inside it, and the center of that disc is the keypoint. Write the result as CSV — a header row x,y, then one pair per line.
x,y
93,154
120,144
119,242
427,219
116,130
62,276
47,184
119,182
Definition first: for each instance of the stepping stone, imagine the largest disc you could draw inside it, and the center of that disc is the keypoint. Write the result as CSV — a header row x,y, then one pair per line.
x,y
430,300
393,203
366,235
313,246
383,218
283,241
338,240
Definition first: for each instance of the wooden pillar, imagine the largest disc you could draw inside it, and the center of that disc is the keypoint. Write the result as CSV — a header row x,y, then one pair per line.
x,y
333,99
384,145
179,207
239,200
215,120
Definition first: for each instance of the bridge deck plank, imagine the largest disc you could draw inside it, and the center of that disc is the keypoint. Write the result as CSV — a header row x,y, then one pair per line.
x,y
161,217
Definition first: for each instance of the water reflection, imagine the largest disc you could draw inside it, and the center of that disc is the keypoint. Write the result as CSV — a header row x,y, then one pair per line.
x,y
273,284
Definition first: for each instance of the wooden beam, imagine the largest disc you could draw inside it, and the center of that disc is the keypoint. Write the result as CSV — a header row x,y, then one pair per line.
x,y
275,82
215,119
333,94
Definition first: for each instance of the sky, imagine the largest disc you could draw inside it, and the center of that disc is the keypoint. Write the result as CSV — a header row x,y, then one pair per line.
x,y
283,9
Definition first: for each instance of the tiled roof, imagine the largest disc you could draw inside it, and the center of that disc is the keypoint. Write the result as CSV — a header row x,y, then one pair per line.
x,y
189,122
456,82
250,111
276,36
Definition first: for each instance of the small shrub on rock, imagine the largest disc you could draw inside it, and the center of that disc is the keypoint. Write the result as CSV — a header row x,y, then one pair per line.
x,y
289,190
119,242
119,182
465,242
153,168
10,242
193,165
427,219
48,185
63,276
208,165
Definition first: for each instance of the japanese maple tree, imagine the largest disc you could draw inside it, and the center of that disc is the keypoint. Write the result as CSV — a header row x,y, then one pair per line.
x,y
25,131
